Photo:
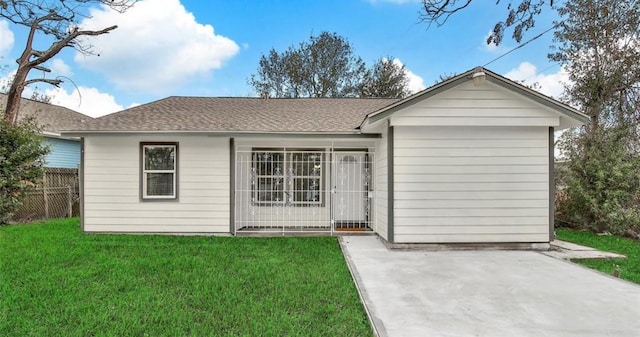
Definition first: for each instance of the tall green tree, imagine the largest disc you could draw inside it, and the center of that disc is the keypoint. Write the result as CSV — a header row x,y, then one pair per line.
x,y
598,44
56,21
386,78
326,66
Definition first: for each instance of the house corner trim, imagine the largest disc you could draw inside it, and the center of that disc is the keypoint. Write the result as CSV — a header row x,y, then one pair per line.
x,y
552,185
390,187
81,182
232,185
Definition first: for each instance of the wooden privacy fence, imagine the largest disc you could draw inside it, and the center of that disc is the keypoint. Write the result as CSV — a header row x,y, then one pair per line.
x,y
56,197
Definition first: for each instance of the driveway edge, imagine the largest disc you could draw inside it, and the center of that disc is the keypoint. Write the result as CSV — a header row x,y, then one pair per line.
x,y
376,323
573,263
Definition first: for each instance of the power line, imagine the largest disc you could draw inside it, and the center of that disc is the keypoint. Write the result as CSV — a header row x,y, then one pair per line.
x,y
521,45
541,71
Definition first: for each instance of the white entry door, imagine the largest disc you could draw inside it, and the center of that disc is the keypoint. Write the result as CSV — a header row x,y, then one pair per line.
x,y
350,179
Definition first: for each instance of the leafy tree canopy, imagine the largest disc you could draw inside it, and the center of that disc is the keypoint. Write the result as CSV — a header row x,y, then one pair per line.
x,y
598,44
326,66
386,78
22,154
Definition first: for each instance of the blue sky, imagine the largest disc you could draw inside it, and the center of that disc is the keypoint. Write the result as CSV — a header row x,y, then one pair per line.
x,y
210,48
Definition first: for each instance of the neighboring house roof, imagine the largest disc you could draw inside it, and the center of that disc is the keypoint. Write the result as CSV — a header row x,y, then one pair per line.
x,y
228,114
52,118
490,76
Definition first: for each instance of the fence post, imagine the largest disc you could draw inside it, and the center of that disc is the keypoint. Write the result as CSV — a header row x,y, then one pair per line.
x,y
69,198
45,196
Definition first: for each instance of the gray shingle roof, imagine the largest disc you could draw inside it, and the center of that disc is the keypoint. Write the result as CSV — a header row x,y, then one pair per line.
x,y
228,114
51,118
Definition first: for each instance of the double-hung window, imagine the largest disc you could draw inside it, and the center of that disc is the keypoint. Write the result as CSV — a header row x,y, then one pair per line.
x,y
306,177
283,177
159,171
268,177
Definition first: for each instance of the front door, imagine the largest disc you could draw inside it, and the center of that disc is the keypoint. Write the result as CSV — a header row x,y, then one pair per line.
x,y
351,180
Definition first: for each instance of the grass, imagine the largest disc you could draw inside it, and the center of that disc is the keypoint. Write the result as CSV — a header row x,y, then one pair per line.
x,y
57,281
629,267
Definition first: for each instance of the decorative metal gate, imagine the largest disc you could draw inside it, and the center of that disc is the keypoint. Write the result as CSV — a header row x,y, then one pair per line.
x,y
303,190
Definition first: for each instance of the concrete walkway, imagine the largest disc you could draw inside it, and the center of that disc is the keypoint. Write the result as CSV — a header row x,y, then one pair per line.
x,y
570,251
487,293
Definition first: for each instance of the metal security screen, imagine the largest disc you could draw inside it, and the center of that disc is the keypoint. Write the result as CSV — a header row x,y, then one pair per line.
x,y
302,190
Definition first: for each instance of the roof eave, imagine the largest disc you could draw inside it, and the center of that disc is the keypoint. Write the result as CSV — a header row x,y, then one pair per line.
x,y
58,135
431,91
547,101
491,77
81,133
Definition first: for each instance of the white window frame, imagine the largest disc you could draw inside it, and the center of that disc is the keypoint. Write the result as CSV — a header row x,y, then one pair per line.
x,y
145,172
288,179
256,187
293,178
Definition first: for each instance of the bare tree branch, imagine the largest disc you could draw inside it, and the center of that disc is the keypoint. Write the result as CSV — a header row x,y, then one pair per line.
x,y
520,17
41,68
58,19
439,11
51,81
66,42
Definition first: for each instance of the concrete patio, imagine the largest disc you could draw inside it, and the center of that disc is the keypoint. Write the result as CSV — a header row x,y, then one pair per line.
x,y
487,293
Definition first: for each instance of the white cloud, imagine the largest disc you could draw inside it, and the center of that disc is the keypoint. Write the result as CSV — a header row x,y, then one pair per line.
x,y
491,47
157,46
6,80
416,83
550,85
60,68
89,101
6,38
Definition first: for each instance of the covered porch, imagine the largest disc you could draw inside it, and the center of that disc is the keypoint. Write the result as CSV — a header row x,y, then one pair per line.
x,y
302,186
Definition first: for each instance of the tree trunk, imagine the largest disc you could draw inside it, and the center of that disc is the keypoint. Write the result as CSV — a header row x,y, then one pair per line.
x,y
14,96
31,59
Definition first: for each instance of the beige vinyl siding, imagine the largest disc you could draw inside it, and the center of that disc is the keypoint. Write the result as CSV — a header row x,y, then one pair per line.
x,y
381,174
471,105
471,184
112,201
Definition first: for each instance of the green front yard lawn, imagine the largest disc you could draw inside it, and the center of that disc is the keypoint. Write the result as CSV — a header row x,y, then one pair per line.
x,y
57,281
629,267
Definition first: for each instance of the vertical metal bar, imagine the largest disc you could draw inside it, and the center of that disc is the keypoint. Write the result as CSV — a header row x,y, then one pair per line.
x,y
247,189
238,193
232,186
245,212
390,184
370,188
284,189
81,183
552,185
332,187
357,193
